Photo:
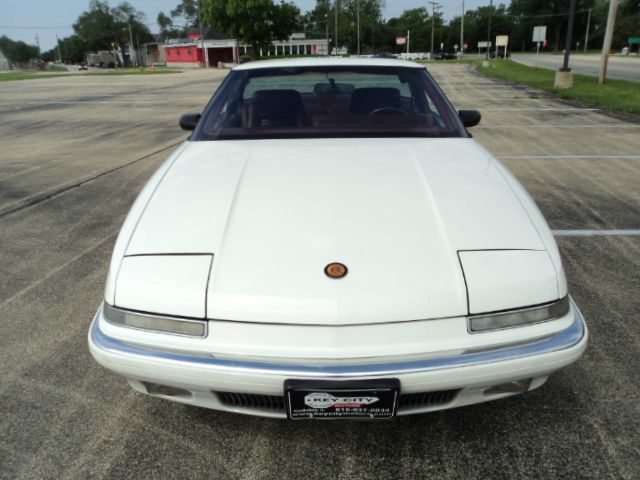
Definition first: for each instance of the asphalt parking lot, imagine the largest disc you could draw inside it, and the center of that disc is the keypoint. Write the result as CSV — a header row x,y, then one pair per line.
x,y
75,151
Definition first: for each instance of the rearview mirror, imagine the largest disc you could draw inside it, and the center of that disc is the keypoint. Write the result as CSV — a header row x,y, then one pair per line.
x,y
188,121
470,118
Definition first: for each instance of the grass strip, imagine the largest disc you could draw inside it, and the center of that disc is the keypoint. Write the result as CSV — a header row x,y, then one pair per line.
x,y
27,75
615,95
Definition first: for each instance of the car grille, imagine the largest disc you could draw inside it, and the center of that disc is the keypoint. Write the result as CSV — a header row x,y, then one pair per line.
x,y
252,401
410,401
276,403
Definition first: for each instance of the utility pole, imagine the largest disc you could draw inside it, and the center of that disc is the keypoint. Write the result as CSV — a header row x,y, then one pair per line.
x,y
569,39
486,57
326,23
205,57
337,6
131,46
37,37
358,22
462,30
433,18
408,40
59,53
604,58
586,36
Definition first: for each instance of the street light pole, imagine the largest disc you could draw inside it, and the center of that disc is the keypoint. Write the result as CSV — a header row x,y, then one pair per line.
x,y
486,57
59,52
567,44
131,45
358,22
462,30
433,18
205,57
337,6
326,23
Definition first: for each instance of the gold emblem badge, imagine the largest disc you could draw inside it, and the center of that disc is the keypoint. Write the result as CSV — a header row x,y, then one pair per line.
x,y
336,270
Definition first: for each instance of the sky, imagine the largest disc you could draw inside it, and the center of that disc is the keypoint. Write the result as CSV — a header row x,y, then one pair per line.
x,y
24,19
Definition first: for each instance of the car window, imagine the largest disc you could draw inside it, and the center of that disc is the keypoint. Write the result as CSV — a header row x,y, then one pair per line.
x,y
328,101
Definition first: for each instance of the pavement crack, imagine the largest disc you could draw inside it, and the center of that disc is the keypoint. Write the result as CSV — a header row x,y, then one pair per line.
x,y
41,197
60,267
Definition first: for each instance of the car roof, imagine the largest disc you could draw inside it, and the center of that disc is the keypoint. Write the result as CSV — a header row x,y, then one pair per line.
x,y
329,62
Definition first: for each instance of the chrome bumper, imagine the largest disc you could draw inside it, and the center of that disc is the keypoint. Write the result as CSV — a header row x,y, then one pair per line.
x,y
573,337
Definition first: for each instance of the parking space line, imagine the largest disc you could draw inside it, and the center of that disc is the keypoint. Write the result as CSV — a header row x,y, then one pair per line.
x,y
534,157
595,233
541,109
615,125
101,102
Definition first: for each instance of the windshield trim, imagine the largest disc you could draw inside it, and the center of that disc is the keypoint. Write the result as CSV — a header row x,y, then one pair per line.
x,y
234,85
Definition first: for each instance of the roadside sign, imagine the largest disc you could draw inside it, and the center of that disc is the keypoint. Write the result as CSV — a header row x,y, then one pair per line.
x,y
484,44
401,40
633,40
466,46
502,40
539,33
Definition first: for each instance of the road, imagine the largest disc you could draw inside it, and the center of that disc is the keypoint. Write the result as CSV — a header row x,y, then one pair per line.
x,y
621,68
76,151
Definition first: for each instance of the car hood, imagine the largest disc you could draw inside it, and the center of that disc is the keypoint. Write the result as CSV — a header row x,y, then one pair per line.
x,y
274,213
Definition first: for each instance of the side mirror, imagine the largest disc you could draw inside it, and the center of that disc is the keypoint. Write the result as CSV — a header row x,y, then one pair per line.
x,y
188,121
470,118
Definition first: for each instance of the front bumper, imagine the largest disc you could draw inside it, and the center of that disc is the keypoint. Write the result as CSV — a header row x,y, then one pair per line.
x,y
472,372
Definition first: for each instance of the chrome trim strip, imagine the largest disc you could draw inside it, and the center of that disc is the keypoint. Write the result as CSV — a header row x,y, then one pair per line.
x,y
565,339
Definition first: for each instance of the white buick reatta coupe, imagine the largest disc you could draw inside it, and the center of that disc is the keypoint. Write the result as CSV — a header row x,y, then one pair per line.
x,y
331,243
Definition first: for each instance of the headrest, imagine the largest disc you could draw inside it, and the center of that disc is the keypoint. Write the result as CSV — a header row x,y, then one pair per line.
x,y
365,100
334,88
275,108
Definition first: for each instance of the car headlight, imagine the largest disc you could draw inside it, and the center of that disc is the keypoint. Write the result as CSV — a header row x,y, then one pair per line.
x,y
520,317
155,323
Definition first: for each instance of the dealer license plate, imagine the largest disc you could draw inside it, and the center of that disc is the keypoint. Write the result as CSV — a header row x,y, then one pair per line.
x,y
362,399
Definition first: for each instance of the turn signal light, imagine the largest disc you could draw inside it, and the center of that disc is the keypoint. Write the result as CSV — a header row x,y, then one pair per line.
x,y
153,323
519,317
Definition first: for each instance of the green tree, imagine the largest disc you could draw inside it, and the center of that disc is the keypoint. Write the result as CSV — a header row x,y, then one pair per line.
x,y
373,32
255,22
418,22
627,23
370,23
17,51
72,50
187,10
167,27
554,14
102,27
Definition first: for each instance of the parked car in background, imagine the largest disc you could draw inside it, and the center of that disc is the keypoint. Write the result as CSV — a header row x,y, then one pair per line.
x,y
492,54
385,55
331,243
445,56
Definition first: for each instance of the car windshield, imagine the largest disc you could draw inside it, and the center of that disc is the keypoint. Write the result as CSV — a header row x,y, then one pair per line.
x,y
328,101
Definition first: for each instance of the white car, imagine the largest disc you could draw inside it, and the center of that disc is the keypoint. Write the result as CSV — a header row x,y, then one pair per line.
x,y
332,243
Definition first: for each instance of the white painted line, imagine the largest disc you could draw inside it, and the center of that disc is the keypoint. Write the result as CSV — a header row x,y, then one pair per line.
x,y
621,125
100,102
595,233
533,157
515,109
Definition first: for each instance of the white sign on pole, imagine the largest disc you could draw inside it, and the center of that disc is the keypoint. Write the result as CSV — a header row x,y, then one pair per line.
x,y
401,40
502,40
539,33
484,44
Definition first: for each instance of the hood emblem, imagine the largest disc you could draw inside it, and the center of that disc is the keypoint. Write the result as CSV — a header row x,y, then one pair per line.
x,y
336,270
